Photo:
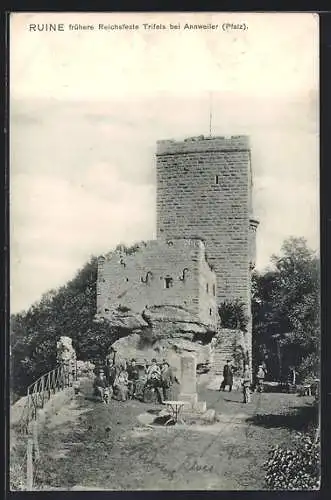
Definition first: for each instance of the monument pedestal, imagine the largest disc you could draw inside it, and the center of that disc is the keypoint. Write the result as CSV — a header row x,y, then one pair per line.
x,y
187,409
191,399
188,385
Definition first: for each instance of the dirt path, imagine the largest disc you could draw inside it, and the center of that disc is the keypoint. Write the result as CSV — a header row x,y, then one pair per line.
x,y
94,446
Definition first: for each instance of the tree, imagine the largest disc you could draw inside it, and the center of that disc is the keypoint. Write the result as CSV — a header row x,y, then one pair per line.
x,y
69,311
286,306
232,315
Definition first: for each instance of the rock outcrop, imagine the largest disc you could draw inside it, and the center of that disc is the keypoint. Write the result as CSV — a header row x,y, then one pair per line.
x,y
162,332
170,322
167,332
65,353
124,318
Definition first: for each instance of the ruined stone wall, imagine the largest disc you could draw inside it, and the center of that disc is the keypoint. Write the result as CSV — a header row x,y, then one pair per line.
x,y
143,278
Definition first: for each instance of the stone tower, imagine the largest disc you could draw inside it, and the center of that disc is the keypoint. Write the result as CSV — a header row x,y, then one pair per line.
x,y
204,190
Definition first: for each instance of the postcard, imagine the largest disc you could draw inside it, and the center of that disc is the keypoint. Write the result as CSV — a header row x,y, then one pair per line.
x,y
164,243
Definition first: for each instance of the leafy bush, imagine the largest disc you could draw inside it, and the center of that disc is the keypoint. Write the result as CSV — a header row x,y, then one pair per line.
x,y
239,357
17,477
147,338
295,468
69,311
309,368
131,250
233,315
286,307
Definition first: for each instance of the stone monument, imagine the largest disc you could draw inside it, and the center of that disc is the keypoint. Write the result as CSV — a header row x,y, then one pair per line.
x,y
188,382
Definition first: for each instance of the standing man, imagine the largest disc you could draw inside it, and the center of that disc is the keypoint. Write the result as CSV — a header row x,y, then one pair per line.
x,y
154,380
111,372
227,377
260,378
246,384
167,380
133,374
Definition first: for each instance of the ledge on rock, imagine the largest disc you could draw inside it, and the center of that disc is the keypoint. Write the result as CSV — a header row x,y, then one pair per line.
x,y
128,320
174,314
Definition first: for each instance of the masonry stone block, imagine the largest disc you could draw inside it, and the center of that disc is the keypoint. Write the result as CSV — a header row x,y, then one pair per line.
x,y
188,382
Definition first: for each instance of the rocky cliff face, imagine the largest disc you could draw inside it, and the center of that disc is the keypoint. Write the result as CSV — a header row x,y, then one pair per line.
x,y
162,332
167,332
173,322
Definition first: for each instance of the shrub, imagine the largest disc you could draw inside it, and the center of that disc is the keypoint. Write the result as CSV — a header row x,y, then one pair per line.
x,y
309,368
239,357
232,315
294,468
131,249
17,477
147,338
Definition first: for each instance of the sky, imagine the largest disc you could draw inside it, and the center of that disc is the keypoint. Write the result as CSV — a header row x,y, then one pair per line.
x,y
87,107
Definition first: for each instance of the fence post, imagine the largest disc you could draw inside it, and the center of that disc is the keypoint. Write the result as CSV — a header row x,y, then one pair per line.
x,y
49,378
35,439
29,405
29,465
63,377
42,391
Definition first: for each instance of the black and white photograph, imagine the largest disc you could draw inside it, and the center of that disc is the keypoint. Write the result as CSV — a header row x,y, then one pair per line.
x,y
164,251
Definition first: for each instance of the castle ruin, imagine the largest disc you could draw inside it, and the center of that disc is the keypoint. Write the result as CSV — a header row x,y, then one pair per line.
x,y
205,247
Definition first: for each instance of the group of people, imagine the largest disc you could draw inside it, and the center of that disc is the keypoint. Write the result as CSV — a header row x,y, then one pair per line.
x,y
127,380
246,381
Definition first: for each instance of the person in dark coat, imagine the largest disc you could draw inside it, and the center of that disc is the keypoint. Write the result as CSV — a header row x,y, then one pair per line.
x,y
167,380
227,377
100,384
153,374
133,374
111,371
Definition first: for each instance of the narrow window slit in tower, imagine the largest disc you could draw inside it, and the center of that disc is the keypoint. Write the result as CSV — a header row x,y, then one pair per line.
x,y
216,179
168,282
